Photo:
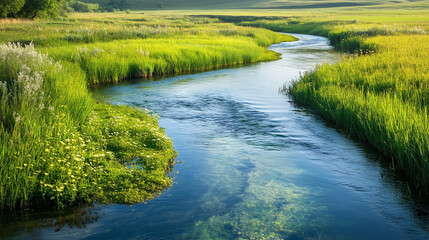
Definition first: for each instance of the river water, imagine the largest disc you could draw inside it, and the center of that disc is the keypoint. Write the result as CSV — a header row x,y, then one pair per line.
x,y
253,166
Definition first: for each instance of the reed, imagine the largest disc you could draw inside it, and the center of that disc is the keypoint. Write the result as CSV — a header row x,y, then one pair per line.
x,y
58,147
125,59
381,98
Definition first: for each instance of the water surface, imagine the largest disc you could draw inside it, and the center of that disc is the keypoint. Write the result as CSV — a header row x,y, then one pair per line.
x,y
254,166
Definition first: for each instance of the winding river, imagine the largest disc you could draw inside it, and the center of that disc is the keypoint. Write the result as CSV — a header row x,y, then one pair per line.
x,y
253,166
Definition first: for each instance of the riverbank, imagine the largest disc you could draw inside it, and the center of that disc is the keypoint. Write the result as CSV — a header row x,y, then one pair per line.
x,y
381,99
378,93
58,146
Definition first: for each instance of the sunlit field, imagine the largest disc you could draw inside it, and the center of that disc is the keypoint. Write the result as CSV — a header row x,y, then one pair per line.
x,y
381,98
220,132
58,146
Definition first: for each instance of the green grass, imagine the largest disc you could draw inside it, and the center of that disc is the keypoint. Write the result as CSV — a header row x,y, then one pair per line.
x,y
113,61
140,46
58,147
381,98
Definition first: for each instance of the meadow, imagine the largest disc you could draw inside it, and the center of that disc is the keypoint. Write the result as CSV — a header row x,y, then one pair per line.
x,y
58,146
380,98
238,4
379,92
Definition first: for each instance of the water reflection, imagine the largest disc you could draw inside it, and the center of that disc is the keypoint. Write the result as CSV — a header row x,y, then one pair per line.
x,y
28,224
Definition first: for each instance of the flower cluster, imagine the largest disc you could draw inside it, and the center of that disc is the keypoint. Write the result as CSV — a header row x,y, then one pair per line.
x,y
22,86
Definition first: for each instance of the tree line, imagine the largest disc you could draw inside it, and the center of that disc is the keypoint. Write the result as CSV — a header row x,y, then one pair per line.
x,y
52,8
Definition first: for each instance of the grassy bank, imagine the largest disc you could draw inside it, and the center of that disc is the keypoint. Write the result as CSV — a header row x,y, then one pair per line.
x,y
125,59
58,146
381,98
111,47
380,92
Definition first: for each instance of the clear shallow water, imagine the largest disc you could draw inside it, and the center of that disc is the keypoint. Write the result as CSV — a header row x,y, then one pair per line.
x,y
254,166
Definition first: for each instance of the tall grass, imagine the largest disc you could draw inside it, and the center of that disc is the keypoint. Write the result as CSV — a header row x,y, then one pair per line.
x,y
58,147
50,158
113,61
346,36
34,93
381,98
130,46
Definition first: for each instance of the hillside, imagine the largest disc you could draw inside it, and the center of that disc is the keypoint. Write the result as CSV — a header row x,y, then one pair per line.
x,y
240,4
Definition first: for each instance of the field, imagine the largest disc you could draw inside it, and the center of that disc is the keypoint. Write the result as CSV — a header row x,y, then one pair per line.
x,y
381,98
240,4
59,147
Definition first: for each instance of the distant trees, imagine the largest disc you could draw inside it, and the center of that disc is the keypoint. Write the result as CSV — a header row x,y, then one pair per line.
x,y
79,6
160,4
30,8
46,8
40,8
52,8
115,5
10,8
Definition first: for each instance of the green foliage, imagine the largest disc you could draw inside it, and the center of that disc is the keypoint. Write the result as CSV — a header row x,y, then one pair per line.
x,y
49,158
150,46
40,8
79,6
10,8
57,146
161,4
34,94
115,5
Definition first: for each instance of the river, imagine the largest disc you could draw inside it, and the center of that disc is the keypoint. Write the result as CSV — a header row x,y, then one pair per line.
x,y
252,166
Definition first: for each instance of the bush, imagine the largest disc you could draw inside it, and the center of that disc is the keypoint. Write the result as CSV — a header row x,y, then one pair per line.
x,y
79,6
9,8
